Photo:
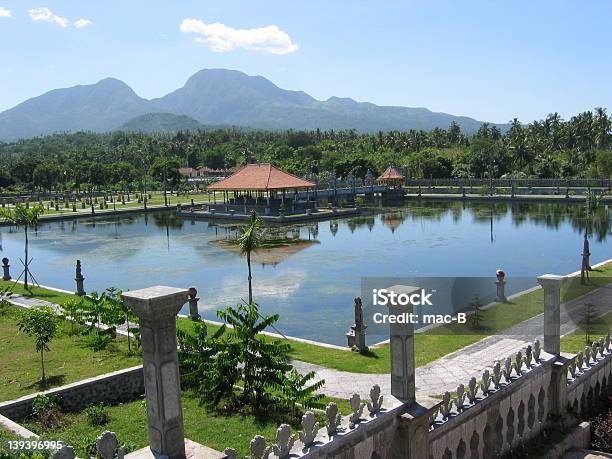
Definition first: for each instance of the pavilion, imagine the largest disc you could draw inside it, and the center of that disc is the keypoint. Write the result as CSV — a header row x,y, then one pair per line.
x,y
263,188
391,177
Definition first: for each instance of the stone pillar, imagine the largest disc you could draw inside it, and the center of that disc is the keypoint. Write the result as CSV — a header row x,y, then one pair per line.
x,y
557,400
156,308
79,279
402,349
6,267
552,312
193,304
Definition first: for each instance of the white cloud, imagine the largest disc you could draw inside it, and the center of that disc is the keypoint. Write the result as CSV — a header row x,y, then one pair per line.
x,y
4,13
221,38
46,15
82,23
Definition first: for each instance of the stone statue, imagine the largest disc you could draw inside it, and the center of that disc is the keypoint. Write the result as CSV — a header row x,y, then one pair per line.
x,y
80,290
356,336
358,314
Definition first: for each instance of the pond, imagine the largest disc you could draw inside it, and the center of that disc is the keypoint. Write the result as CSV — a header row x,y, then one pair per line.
x,y
311,284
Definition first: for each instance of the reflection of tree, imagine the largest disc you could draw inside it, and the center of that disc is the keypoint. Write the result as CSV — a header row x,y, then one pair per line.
x,y
167,220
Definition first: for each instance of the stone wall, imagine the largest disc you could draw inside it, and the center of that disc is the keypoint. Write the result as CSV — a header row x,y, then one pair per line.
x,y
119,386
508,407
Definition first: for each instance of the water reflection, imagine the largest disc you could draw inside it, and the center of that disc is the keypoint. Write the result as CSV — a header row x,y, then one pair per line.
x,y
312,281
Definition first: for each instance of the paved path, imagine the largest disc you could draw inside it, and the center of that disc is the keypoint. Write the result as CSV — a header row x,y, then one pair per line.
x,y
448,371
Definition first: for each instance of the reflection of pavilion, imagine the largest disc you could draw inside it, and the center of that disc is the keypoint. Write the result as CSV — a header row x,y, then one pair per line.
x,y
262,188
393,221
269,256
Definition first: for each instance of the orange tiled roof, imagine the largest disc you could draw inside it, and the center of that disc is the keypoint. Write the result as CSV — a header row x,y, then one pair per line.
x,y
260,177
391,174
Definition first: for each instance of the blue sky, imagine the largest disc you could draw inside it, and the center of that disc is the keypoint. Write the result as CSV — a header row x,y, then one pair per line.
x,y
489,59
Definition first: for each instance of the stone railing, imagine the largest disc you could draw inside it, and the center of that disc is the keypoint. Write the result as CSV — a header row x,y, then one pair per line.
x,y
107,447
370,431
507,407
589,376
499,182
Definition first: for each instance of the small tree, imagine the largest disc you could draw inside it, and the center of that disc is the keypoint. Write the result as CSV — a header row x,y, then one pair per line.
x,y
261,360
293,389
249,240
26,218
40,323
205,365
476,316
122,313
588,318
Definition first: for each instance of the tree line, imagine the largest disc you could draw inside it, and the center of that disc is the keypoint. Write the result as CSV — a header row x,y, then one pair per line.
x,y
550,148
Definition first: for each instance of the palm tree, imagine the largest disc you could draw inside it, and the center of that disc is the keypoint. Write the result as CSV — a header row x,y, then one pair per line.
x,y
26,218
249,240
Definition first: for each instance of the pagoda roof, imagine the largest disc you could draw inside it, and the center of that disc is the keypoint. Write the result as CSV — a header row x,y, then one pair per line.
x,y
260,177
391,173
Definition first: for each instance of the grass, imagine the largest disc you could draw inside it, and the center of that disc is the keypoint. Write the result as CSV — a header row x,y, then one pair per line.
x,y
576,341
68,361
157,199
129,421
430,345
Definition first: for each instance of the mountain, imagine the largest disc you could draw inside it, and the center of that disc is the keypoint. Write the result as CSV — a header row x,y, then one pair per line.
x,y
210,97
98,107
161,122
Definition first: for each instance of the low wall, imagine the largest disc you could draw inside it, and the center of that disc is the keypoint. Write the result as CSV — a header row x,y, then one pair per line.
x,y
119,386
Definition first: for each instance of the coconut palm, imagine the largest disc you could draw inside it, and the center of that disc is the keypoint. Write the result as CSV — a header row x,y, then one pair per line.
x,y
25,217
249,240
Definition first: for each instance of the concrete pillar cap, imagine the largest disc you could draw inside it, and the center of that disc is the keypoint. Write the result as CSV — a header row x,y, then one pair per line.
x,y
156,302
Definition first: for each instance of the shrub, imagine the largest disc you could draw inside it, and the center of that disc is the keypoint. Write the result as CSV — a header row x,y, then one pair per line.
x,y
601,439
46,411
97,415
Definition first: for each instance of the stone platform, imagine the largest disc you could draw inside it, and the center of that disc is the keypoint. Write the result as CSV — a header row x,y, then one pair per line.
x,y
277,219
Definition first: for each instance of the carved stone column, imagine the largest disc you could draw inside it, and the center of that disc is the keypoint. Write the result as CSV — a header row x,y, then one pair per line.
x,y
156,308
552,312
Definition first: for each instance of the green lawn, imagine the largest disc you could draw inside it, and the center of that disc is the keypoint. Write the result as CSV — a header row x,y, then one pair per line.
x,y
431,344
157,199
68,361
575,342
210,428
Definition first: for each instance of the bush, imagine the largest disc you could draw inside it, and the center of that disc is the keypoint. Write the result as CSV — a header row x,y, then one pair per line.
x,y
98,339
46,411
97,415
601,438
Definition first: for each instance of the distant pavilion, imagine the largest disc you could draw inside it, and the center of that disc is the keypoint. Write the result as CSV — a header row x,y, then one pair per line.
x,y
263,188
391,177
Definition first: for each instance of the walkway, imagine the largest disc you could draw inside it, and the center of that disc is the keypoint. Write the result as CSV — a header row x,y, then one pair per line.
x,y
449,371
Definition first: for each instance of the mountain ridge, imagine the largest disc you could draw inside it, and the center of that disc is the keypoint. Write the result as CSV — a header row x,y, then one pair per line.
x,y
211,97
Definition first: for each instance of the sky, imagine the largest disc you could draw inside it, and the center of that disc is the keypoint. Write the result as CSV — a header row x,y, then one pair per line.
x,y
492,60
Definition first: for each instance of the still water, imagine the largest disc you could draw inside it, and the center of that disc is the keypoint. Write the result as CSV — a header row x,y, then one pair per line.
x,y
312,284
